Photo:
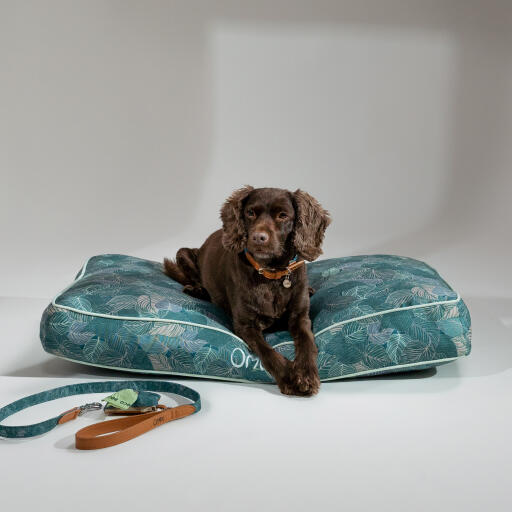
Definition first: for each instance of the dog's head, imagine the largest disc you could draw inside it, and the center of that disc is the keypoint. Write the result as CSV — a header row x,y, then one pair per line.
x,y
266,220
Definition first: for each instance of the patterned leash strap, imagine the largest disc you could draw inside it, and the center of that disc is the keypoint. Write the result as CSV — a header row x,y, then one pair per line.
x,y
106,433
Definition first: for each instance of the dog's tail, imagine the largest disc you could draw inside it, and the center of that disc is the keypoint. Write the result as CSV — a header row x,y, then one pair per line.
x,y
173,270
185,269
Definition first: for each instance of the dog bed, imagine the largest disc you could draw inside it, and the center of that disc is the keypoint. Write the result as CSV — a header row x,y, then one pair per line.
x,y
370,315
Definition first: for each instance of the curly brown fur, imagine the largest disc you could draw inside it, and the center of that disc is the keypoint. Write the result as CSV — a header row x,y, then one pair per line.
x,y
312,221
273,225
234,236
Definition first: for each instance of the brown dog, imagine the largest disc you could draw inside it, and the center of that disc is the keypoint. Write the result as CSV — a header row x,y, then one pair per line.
x,y
247,269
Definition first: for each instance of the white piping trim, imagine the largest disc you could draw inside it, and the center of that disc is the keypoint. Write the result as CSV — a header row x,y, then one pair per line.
x,y
71,284
369,315
135,318
385,312
145,319
350,375
183,322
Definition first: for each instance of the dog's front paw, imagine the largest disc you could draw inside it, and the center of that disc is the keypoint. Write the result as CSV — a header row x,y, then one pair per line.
x,y
306,379
300,381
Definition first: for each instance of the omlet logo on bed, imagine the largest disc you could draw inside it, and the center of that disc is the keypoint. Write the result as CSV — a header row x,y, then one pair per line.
x,y
239,359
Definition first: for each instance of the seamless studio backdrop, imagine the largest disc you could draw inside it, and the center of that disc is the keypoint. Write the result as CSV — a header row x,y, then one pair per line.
x,y
124,125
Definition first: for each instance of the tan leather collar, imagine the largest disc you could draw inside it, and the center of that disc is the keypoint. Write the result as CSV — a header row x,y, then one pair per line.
x,y
271,273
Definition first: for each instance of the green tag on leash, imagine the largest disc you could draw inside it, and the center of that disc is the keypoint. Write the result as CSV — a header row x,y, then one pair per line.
x,y
122,399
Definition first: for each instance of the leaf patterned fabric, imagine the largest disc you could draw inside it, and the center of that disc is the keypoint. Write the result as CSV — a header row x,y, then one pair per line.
x,y
370,314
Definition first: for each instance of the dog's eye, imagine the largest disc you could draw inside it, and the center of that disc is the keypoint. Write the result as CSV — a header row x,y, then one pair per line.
x,y
282,216
250,212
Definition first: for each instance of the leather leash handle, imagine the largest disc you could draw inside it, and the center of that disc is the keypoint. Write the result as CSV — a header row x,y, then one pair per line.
x,y
112,432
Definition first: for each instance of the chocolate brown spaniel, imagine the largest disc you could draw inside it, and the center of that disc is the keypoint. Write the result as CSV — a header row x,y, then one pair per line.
x,y
254,268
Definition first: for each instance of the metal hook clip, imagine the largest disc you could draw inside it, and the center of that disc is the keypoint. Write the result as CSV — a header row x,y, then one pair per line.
x,y
94,406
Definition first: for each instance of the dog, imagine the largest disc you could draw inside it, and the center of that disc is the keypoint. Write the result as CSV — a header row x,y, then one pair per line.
x,y
254,268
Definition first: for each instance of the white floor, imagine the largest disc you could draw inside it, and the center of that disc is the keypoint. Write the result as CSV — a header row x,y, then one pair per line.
x,y
432,440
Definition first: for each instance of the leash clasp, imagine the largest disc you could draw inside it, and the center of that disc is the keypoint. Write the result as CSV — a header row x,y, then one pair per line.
x,y
94,406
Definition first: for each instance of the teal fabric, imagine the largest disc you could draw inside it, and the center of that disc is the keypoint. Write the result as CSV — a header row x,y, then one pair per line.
x,y
42,427
370,314
146,399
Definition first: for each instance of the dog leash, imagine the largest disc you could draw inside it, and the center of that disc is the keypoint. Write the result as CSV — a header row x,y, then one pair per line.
x,y
106,433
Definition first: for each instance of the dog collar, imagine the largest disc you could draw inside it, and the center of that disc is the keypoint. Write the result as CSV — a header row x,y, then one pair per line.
x,y
272,273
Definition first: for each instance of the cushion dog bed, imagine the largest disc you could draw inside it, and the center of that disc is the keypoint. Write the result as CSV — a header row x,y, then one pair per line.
x,y
370,315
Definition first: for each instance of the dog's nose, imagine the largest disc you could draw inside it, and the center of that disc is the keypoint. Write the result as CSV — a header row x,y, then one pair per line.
x,y
260,237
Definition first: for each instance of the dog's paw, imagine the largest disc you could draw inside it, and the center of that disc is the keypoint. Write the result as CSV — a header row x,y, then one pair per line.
x,y
307,381
300,381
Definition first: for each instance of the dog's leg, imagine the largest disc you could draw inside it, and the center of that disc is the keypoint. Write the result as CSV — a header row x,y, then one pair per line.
x,y
304,376
276,364
186,271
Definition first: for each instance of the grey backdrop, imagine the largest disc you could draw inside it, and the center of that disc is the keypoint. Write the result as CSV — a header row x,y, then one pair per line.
x,y
124,125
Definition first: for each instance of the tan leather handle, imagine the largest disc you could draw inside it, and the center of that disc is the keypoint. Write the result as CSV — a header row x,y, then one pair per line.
x,y
112,432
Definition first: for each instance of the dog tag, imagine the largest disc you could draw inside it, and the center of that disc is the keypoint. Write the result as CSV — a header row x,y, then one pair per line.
x,y
287,283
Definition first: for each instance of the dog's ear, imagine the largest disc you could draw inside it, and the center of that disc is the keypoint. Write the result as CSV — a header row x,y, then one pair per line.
x,y
234,237
311,221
